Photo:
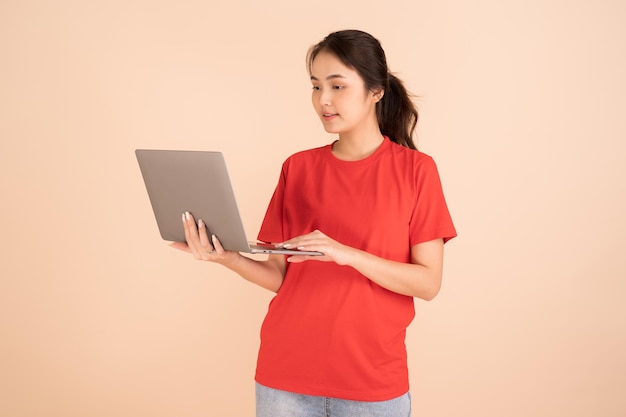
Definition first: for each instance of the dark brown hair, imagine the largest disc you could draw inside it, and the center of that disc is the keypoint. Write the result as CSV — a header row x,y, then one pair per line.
x,y
396,113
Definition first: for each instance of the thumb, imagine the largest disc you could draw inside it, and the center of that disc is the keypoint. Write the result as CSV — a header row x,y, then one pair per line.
x,y
180,246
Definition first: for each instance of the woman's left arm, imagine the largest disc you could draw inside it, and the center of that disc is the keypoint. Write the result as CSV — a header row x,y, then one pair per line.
x,y
421,278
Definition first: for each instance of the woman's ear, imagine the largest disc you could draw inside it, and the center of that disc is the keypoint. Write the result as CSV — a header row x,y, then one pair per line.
x,y
378,95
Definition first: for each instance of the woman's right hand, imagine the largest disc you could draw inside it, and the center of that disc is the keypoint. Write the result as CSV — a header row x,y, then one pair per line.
x,y
200,245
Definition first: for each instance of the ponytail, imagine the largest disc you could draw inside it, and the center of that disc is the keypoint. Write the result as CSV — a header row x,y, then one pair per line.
x,y
397,114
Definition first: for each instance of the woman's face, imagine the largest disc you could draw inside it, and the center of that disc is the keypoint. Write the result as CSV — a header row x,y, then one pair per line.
x,y
339,96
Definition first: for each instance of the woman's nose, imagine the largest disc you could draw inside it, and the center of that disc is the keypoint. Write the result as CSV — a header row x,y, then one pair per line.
x,y
324,98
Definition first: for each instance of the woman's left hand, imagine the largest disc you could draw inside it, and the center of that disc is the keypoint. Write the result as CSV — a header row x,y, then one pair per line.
x,y
317,241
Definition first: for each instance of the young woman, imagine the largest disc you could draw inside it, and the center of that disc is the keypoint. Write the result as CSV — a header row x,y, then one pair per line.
x,y
332,343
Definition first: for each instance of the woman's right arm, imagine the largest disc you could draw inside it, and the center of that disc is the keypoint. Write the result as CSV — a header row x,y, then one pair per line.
x,y
268,274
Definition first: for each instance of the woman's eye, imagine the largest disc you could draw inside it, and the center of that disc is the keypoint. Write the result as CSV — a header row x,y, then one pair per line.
x,y
338,87
315,87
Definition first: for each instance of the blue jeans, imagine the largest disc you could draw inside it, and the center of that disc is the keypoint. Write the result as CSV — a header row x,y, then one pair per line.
x,y
276,403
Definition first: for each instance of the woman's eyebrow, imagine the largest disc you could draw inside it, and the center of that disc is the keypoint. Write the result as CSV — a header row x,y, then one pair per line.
x,y
330,77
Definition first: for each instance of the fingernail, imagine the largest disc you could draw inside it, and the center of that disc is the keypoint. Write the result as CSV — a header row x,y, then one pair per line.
x,y
200,223
184,218
187,215
286,245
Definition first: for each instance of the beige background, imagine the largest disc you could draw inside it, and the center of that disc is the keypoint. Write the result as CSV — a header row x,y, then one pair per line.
x,y
522,105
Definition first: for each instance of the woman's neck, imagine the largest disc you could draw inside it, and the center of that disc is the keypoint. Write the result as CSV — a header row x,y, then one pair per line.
x,y
352,148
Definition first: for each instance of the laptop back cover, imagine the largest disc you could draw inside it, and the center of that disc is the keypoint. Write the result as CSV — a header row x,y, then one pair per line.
x,y
194,181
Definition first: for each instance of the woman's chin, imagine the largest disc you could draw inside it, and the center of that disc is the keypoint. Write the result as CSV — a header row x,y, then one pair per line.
x,y
329,129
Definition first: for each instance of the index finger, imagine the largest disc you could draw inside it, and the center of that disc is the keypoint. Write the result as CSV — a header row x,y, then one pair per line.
x,y
191,234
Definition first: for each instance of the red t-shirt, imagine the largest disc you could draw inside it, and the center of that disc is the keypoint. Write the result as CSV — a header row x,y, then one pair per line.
x,y
330,331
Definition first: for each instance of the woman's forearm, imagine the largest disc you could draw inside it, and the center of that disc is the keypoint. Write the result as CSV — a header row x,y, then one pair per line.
x,y
403,278
420,278
267,274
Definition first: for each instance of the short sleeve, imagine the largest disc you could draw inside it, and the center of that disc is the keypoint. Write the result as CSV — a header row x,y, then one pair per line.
x,y
430,218
272,227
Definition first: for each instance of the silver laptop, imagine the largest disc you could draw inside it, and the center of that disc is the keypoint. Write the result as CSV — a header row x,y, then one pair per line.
x,y
197,182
